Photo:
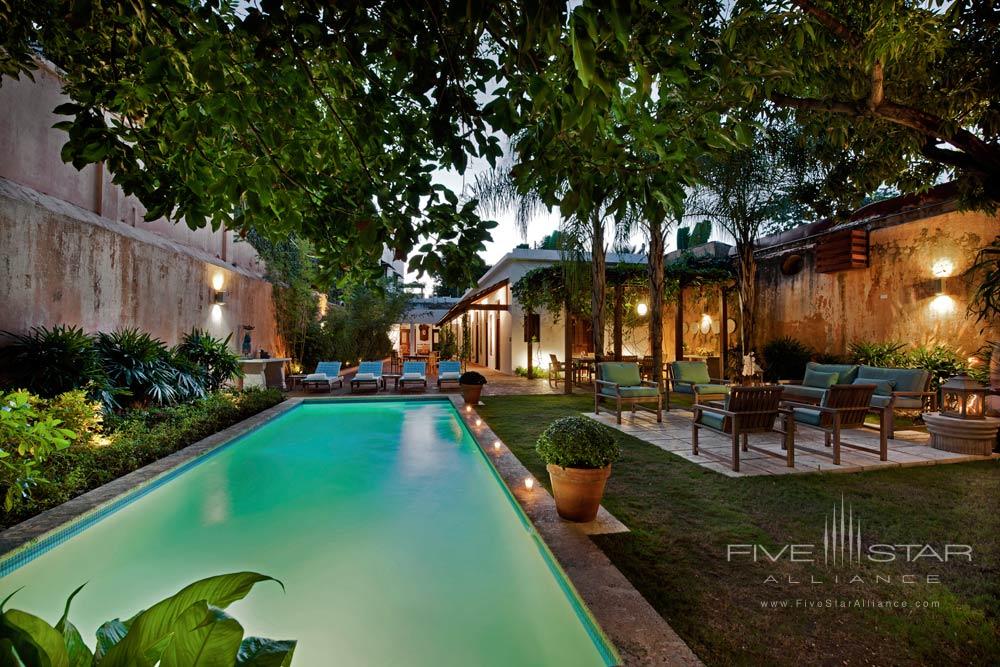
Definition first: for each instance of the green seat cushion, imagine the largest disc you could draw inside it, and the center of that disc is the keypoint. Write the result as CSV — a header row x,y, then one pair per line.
x,y
630,392
820,379
704,389
845,372
793,391
902,402
807,416
712,420
683,388
620,372
905,379
882,387
694,372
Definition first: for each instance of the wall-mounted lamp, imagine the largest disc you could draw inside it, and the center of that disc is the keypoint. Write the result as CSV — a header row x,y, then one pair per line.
x,y
216,313
942,304
642,309
218,282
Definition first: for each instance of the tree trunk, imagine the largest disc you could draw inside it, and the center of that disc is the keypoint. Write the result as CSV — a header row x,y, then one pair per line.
x,y
747,291
527,326
679,325
597,264
568,342
619,313
656,251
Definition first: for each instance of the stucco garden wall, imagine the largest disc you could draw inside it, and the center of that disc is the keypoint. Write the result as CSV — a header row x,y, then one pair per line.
x,y
60,264
896,298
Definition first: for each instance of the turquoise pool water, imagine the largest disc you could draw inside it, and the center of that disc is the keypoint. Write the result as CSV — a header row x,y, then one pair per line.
x,y
396,543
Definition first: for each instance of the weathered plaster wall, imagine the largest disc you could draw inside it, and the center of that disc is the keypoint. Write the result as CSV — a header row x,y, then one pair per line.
x,y
60,264
890,300
30,155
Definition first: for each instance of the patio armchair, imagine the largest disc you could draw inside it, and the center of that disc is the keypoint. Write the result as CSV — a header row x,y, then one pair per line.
x,y
691,377
449,371
898,389
746,410
557,371
369,373
620,382
414,373
326,374
844,406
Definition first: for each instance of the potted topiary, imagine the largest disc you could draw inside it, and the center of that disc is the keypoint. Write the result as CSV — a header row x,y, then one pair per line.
x,y
578,453
471,383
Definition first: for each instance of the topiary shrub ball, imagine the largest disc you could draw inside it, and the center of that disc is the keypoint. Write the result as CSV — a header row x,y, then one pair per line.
x,y
577,442
472,377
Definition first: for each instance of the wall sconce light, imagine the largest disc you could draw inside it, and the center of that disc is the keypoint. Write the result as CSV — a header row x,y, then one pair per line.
x,y
942,304
216,313
218,282
642,309
942,268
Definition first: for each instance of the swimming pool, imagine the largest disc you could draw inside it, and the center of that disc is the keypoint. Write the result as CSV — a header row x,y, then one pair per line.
x,y
396,542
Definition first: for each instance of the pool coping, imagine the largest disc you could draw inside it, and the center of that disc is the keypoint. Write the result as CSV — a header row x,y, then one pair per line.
x,y
638,632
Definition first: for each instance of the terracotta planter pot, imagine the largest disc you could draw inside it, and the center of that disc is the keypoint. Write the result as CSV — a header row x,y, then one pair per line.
x,y
578,491
471,393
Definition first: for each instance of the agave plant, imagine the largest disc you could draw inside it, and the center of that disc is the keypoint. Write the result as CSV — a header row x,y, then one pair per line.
x,y
139,364
187,628
49,362
212,355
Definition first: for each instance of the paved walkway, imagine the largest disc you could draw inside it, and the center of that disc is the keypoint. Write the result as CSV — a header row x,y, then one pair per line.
x,y
909,448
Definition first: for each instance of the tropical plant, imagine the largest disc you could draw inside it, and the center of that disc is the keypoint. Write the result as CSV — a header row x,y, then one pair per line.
x,y
940,360
28,436
577,442
985,302
465,353
472,378
141,365
49,362
786,358
985,359
76,411
188,628
358,327
448,347
536,372
888,354
218,364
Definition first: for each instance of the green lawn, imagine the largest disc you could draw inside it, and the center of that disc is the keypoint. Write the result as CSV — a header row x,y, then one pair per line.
x,y
682,517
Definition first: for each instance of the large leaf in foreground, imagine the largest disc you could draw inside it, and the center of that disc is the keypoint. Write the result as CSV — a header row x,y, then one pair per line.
x,y
36,642
260,652
78,652
203,636
149,628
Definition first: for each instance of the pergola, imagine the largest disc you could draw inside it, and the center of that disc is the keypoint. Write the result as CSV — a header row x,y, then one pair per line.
x,y
564,289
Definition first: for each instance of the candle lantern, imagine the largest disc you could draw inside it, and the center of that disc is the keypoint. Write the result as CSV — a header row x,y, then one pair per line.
x,y
963,398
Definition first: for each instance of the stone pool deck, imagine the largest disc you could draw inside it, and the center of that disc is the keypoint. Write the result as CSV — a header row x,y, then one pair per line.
x,y
909,448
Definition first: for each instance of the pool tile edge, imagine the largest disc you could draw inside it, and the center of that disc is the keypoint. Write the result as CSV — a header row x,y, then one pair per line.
x,y
640,634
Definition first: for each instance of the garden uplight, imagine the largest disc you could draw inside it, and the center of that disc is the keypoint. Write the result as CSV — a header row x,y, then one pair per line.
x,y
529,483
496,445
479,422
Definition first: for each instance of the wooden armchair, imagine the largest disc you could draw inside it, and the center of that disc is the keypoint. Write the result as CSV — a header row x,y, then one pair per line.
x,y
747,410
844,406
692,378
620,382
557,371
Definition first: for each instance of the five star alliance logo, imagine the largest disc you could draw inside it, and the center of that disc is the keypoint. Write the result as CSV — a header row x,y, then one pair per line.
x,y
841,536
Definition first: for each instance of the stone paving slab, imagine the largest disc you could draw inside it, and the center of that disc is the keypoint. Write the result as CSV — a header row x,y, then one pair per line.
x,y
673,434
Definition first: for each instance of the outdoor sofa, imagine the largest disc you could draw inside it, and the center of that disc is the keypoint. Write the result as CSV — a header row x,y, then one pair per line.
x,y
895,388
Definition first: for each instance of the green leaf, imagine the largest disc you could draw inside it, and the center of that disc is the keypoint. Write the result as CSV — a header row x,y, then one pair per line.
x,y
260,652
149,628
109,634
204,636
584,56
37,642
78,651
9,655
